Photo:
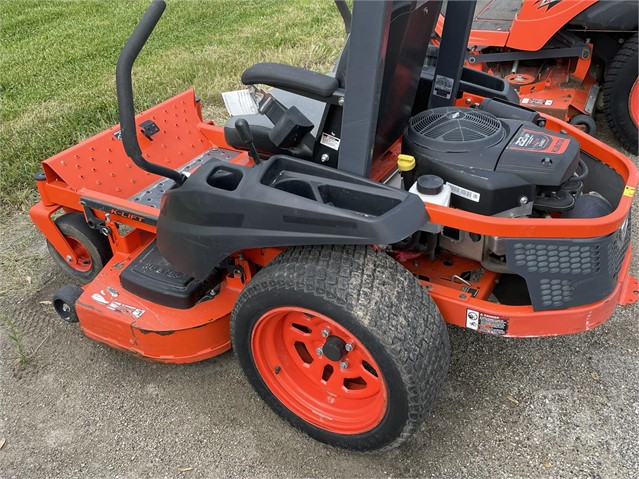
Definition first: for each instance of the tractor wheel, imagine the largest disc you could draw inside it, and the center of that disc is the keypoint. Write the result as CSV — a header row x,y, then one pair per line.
x,y
343,343
585,123
64,301
91,247
621,95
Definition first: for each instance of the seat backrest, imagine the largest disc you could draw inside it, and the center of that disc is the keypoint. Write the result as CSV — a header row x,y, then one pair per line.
x,y
386,53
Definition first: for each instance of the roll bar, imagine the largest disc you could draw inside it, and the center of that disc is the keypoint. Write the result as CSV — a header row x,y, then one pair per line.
x,y
124,90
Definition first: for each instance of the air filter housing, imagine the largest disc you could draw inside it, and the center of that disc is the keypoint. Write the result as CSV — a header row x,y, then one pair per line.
x,y
490,163
454,129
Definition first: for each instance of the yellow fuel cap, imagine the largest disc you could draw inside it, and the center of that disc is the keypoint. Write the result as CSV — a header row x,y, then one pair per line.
x,y
405,162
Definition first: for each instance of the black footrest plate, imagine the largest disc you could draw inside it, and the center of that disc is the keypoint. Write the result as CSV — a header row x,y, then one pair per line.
x,y
153,278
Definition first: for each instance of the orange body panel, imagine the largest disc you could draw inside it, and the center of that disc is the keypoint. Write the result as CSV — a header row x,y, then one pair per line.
x,y
536,22
110,314
454,301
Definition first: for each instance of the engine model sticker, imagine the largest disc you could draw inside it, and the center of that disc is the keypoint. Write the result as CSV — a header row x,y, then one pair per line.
x,y
464,193
486,323
330,141
443,86
536,101
531,140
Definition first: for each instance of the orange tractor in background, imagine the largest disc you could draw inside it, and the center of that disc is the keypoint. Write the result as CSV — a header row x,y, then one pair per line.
x,y
566,58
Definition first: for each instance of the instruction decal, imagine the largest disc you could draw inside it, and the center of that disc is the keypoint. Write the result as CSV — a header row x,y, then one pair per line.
x,y
629,191
486,323
443,86
330,141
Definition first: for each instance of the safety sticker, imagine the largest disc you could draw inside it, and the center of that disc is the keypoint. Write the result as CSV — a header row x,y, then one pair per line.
x,y
125,309
443,86
486,323
464,193
629,191
330,141
536,101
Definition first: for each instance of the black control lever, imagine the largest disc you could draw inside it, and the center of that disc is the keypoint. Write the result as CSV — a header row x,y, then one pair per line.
x,y
244,130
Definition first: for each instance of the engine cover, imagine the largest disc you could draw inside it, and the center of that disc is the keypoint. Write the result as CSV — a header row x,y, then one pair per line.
x,y
489,163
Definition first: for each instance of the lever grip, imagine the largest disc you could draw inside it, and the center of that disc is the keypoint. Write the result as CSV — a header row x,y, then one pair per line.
x,y
244,130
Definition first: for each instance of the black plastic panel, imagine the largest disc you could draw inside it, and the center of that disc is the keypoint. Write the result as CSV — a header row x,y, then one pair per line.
x,y
561,273
223,208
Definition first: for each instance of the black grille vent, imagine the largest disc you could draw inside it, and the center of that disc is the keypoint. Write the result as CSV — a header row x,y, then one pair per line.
x,y
455,129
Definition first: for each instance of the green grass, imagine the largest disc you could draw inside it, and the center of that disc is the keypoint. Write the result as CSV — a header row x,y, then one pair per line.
x,y
57,65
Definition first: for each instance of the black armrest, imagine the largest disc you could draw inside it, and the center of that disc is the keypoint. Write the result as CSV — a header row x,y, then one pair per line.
x,y
293,79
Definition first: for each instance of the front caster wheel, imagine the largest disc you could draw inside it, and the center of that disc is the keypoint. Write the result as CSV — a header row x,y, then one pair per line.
x,y
585,123
64,301
91,248
343,343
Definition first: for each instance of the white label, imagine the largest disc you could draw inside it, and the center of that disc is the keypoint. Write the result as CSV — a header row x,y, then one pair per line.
x,y
443,86
239,102
464,193
125,309
330,141
536,101
472,319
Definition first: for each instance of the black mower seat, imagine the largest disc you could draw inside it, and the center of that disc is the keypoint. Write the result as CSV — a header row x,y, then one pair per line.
x,y
261,125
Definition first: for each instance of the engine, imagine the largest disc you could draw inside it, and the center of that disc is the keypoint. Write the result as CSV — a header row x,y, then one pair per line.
x,y
498,160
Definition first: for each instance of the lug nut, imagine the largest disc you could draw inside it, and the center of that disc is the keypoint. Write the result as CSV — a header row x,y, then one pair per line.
x,y
343,364
348,347
319,351
325,332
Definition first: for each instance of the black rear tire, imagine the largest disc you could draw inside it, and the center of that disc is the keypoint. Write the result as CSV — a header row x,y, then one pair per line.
x,y
73,225
386,309
621,75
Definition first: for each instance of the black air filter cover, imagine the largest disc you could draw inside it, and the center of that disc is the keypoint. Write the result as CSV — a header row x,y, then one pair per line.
x,y
455,129
490,163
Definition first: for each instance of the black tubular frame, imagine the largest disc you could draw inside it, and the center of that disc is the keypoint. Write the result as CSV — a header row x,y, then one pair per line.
x,y
124,88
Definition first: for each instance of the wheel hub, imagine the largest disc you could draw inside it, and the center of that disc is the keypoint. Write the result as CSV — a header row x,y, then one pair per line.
x,y
334,348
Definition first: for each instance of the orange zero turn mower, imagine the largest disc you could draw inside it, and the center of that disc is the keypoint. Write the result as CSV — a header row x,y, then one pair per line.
x,y
329,237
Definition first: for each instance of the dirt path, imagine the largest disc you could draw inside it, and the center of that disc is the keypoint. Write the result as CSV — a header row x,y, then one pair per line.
x,y
539,407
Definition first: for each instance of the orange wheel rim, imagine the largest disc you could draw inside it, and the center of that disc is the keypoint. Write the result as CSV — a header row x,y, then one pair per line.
x,y
319,370
633,103
83,262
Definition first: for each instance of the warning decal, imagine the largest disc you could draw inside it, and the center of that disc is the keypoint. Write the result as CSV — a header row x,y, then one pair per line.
x,y
486,323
